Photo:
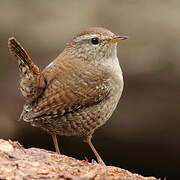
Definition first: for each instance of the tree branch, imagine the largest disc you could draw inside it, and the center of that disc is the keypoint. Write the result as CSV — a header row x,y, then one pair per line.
x,y
33,163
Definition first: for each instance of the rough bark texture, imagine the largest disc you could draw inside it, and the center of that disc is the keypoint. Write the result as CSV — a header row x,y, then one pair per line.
x,y
33,163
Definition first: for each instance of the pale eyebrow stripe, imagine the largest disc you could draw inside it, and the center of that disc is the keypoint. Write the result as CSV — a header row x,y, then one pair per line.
x,y
83,37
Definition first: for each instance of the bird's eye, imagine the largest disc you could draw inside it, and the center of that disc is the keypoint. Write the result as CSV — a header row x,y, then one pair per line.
x,y
95,41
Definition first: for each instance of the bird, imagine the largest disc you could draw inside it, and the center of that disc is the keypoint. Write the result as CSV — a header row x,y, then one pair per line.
x,y
78,91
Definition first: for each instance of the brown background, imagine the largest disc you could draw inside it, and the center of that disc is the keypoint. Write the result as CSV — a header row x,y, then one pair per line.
x,y
143,135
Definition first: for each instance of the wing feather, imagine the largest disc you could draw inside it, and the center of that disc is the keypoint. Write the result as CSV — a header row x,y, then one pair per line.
x,y
69,92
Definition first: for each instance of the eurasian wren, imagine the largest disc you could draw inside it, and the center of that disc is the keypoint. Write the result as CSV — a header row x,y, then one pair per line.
x,y
77,92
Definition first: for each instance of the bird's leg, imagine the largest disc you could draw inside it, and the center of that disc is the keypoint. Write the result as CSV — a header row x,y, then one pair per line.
x,y
55,143
99,159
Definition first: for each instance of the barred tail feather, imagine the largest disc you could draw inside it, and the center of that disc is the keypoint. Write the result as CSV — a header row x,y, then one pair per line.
x,y
32,81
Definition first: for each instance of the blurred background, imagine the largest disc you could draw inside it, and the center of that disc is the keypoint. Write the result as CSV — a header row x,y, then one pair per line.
x,y
143,135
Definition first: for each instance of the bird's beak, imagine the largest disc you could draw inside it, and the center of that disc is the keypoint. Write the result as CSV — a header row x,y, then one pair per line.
x,y
116,39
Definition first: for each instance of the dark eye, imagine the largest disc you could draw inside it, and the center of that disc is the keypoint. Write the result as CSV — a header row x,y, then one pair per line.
x,y
95,41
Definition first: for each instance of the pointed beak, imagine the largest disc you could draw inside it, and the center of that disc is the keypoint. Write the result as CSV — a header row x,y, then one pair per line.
x,y
116,39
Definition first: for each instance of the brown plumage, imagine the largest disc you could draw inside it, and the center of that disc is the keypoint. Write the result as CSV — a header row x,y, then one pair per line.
x,y
78,91
32,80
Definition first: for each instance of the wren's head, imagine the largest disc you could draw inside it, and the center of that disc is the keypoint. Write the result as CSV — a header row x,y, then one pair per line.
x,y
94,44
